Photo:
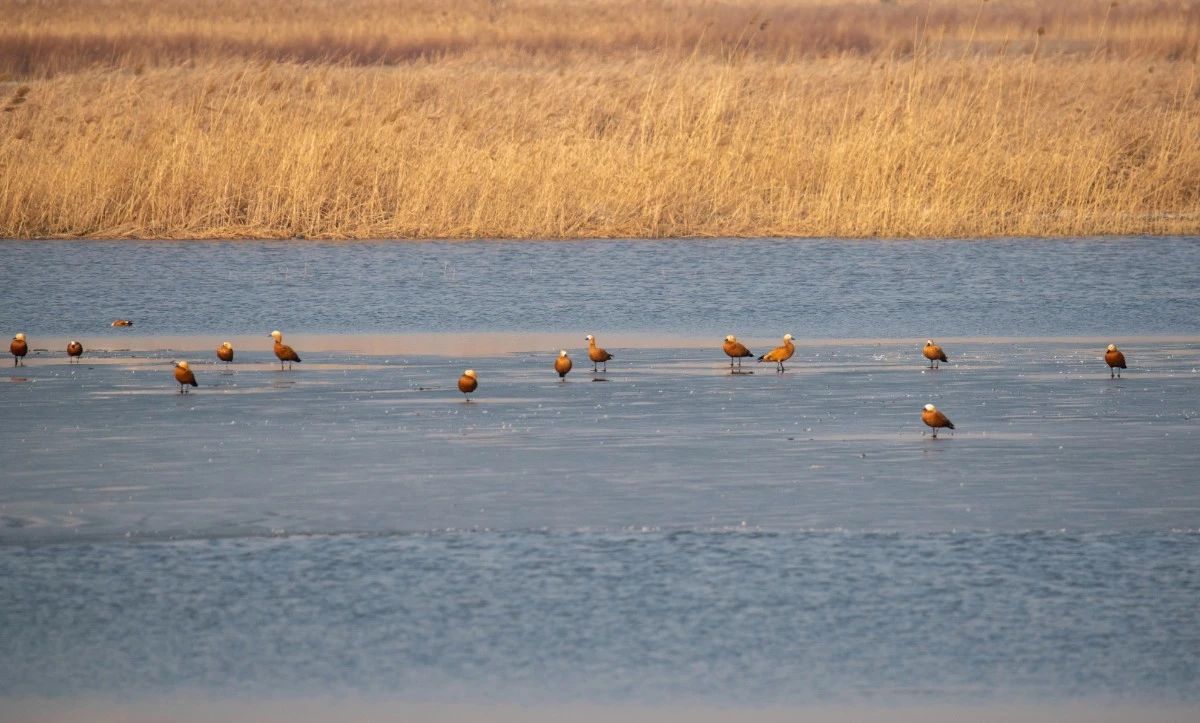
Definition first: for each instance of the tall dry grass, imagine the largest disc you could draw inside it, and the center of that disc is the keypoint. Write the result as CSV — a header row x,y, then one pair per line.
x,y
531,118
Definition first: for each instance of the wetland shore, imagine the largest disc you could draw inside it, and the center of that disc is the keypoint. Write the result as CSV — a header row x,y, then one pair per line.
x,y
523,119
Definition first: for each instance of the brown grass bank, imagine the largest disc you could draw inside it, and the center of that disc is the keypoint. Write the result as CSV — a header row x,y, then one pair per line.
x,y
531,118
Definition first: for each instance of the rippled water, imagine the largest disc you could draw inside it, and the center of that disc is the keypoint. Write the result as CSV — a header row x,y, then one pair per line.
x,y
672,535
762,619
813,288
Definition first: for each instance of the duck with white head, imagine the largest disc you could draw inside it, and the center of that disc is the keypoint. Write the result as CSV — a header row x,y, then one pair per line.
x,y
468,383
1115,360
562,364
283,352
19,349
184,376
935,419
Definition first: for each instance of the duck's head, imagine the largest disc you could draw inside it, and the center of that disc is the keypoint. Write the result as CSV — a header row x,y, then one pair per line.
x,y
787,337
562,353
930,408
589,338
182,365
731,338
19,337
1112,347
276,335
469,373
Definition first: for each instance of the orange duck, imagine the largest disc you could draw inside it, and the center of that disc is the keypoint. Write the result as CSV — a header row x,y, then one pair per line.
x,y
19,349
935,419
1115,361
734,349
780,354
934,354
596,354
184,376
468,383
562,364
284,352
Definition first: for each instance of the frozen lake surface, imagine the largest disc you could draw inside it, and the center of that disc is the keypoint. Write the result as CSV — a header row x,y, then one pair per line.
x,y
669,440
671,535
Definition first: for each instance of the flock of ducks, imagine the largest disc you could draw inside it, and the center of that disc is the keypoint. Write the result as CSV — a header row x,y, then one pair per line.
x,y
469,381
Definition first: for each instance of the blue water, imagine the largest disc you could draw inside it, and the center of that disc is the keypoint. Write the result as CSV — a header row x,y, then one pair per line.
x,y
673,535
813,288
734,618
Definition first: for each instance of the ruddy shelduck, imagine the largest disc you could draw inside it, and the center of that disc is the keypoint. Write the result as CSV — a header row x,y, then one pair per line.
x,y
780,354
596,354
1115,361
284,352
19,349
74,351
934,354
122,322
562,364
468,383
734,349
184,376
935,419
225,352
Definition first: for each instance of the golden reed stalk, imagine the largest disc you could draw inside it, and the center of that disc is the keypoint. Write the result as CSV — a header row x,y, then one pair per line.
x,y
534,118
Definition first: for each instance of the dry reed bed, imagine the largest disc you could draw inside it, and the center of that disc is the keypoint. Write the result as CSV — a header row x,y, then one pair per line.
x,y
43,37
726,138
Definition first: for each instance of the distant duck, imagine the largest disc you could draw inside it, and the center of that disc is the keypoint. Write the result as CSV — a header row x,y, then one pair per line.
x,y
284,352
1115,361
935,419
184,376
225,352
934,354
734,349
596,354
562,364
19,349
74,351
780,354
122,322
468,383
